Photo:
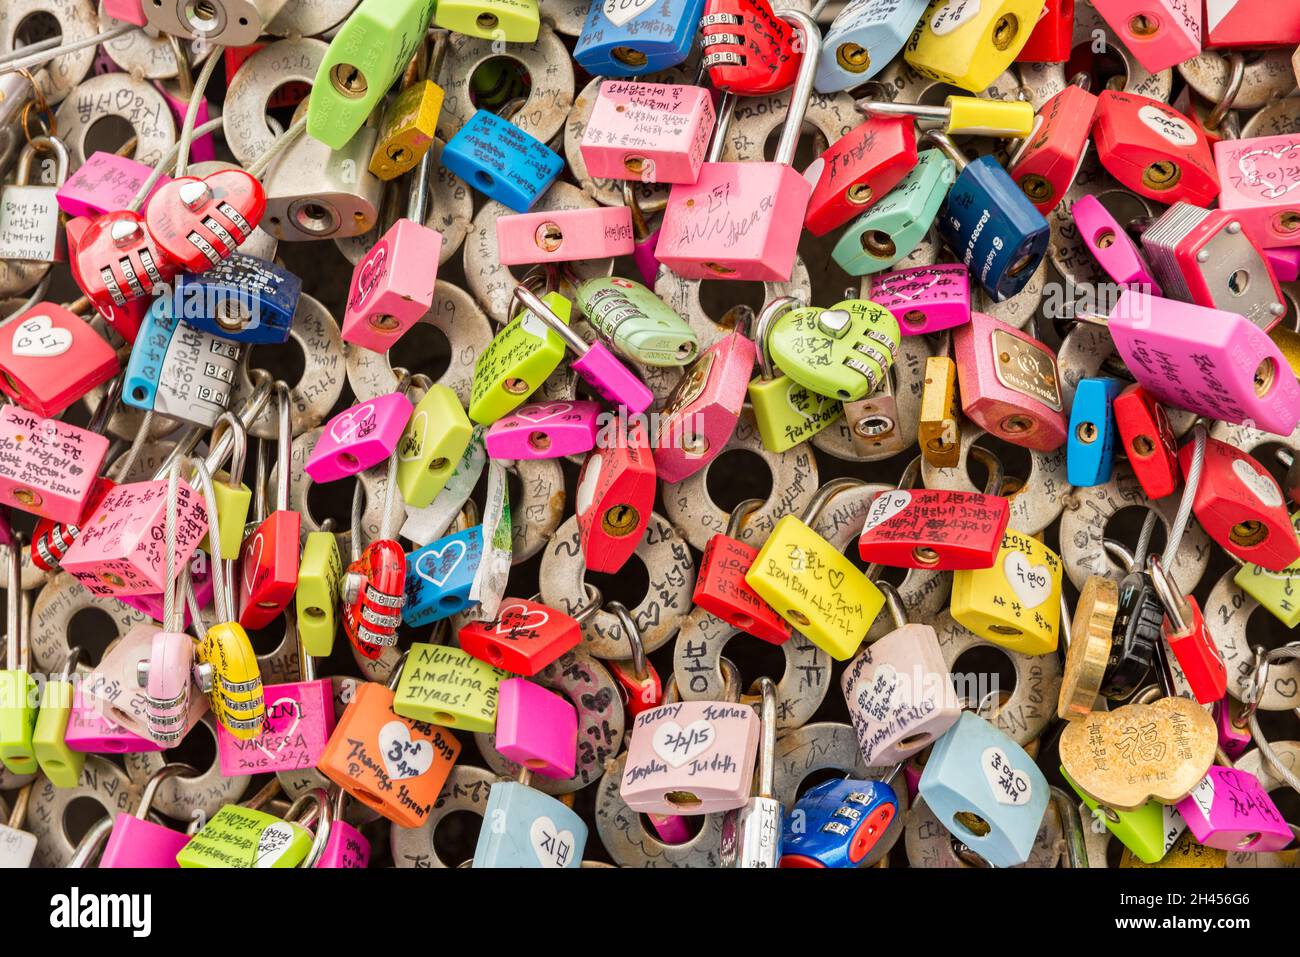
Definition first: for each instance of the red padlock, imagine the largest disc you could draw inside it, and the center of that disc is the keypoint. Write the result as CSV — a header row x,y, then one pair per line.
x,y
1251,23
199,222
1045,168
858,169
50,358
1184,628
616,493
638,682
115,262
1053,37
1154,150
269,557
748,49
374,593
526,636
721,589
1148,440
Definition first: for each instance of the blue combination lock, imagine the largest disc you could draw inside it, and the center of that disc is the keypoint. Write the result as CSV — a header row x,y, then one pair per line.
x,y
180,371
501,161
439,576
1090,453
242,298
525,828
991,225
837,823
631,37
863,38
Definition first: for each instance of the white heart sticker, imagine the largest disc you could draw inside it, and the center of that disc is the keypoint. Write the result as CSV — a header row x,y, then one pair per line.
x,y
1009,785
419,427
1031,583
590,479
619,12
38,338
677,745
542,412
533,325
346,424
439,567
1262,486
1173,128
520,617
272,843
552,846
884,507
403,758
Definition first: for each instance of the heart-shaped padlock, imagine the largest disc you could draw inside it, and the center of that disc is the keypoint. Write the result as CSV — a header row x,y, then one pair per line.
x,y
199,222
748,49
374,595
843,352
116,262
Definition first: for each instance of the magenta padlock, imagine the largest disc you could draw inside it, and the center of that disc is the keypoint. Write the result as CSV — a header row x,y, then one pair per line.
x,y
346,847
925,298
167,685
1111,246
545,430
128,11
104,183
393,285
91,731
135,841
1285,263
1230,810
47,467
648,132
564,235
644,254
1234,738
536,728
152,605
359,438
204,148
1214,363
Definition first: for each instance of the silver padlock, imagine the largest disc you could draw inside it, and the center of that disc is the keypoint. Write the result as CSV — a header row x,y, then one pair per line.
x,y
29,208
230,23
119,95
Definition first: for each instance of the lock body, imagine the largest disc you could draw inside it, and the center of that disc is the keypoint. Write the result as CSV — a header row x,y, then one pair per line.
x,y
721,590
536,728
1159,33
179,371
844,352
428,689
1230,810
1256,187
359,438
435,438
1046,167
636,323
623,38
1154,150
648,132
269,568
545,430
895,224
934,528
298,723
516,362
242,837
1090,446
565,235
242,298
374,596
114,261
749,49
393,286
320,586
925,298
858,169
700,415
50,358
501,161
439,577
314,192
537,830
616,493
1111,246
864,37
1016,602
523,638
49,469
970,44
199,222
840,822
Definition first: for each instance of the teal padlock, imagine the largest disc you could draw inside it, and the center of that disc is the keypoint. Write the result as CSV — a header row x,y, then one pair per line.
x,y
638,324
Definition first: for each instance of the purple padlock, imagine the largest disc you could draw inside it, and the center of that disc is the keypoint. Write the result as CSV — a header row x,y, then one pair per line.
x,y
925,298
1230,810
545,430
359,438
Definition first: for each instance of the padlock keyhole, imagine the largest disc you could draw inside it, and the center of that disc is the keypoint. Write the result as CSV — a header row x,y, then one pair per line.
x,y
972,823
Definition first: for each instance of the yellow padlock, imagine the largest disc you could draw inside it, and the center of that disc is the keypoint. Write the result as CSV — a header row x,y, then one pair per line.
x,y
406,132
965,115
938,431
968,43
812,585
235,686
1016,603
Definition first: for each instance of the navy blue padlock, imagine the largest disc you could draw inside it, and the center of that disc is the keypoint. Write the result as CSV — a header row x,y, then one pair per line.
x,y
631,37
864,37
501,161
179,371
990,224
242,298
525,828
837,823
439,576
1090,448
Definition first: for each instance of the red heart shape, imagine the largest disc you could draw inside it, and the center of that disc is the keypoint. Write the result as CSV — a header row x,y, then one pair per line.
x,y
199,222
767,47
118,266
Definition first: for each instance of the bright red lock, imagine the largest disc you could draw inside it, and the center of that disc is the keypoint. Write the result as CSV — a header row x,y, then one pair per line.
x,y
50,358
638,682
1184,628
269,557
721,590
375,592
858,169
616,493
1052,38
1046,167
523,638
935,529
115,262
748,49
199,222
1154,150
1148,441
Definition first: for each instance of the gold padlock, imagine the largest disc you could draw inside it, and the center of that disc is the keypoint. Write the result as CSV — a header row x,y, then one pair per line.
x,y
410,120
938,431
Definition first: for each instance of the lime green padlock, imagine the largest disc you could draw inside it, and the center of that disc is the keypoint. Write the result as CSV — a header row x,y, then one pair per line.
x,y
448,687
367,55
57,761
17,689
843,352
435,438
514,21
1279,592
233,497
243,837
1149,832
636,322
786,412
320,589
516,362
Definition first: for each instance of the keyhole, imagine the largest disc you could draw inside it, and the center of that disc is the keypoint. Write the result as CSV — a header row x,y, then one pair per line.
x,y
619,520
853,57
549,237
1005,31
880,244
1162,175
1287,222
1086,432
1104,239
1143,25
1037,188
486,21
859,194
349,81
1239,282
629,57
1142,446
203,16
1265,376
539,441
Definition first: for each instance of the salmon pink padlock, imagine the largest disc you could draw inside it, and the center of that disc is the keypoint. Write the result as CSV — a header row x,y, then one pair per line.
x,y
649,132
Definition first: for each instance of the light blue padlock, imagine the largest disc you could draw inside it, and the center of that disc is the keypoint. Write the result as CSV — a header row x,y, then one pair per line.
x,y
522,827
986,790
439,576
863,38
891,229
631,37
1090,448
502,161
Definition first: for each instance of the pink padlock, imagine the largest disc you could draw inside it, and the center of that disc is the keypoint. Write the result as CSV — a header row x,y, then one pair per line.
x,y
1111,245
393,286
649,132
1230,810
104,183
1234,738
564,235
128,11
46,467
925,298
167,685
359,438
113,687
121,548
545,430
644,254
1285,263
135,841
346,847
1258,184
91,731
537,728
152,605
204,148
700,415
1214,363
1159,33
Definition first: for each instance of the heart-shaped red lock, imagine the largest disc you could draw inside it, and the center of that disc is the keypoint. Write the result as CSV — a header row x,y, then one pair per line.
x,y
199,222
377,592
117,265
748,49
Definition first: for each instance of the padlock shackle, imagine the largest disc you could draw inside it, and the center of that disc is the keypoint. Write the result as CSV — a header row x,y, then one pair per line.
x,y
894,602
1236,76
742,511
18,651
543,312
947,147
395,675
42,144
92,842
633,634
726,110
1176,607
236,448
807,32
767,318
992,465
248,412
222,600
1076,845
107,405
70,661
170,770
313,807
825,494
767,737
283,444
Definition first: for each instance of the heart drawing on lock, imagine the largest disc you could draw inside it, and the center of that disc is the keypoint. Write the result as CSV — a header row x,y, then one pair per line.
x,y
403,758
619,12
540,413
590,480
276,711
419,427
884,507
354,423
1273,184
1261,486
1009,785
251,560
1031,583
38,338
677,745
272,843
552,846
442,566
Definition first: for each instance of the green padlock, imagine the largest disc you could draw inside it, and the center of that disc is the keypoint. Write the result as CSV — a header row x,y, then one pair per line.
x,y
320,589
17,689
1149,832
435,438
369,53
637,323
787,413
60,763
448,687
233,497
892,228
516,362
1279,592
247,838
843,352
514,21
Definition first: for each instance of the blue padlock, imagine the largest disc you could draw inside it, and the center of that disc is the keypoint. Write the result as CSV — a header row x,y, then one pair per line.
x,y
837,823
630,37
241,298
501,161
864,37
522,827
991,225
1090,448
439,576
179,371
986,790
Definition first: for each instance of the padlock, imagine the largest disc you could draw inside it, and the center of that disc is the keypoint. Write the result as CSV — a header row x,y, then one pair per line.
x,y
268,560
751,837
1016,602
16,845
735,221
115,262
1046,166
517,362
1275,590
564,235
1230,809
234,23
785,411
373,593
844,351
525,636
721,589
648,132
874,425
812,585
346,847
103,183
49,468
925,298
439,577
58,762
968,44
1090,442
29,211
411,117
1051,40
862,39
536,728
938,432
615,496
1255,187
1113,644
749,48
435,438
1250,23
622,38
1193,646
320,588
448,687
229,439
314,192
963,114
242,837
545,430
199,222
48,332
1148,832
136,841
894,226
1111,246
1009,383
359,438
242,298
1153,149
1241,506
637,679
529,829
837,823
636,323
165,677
858,169
1159,33
501,161
941,529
